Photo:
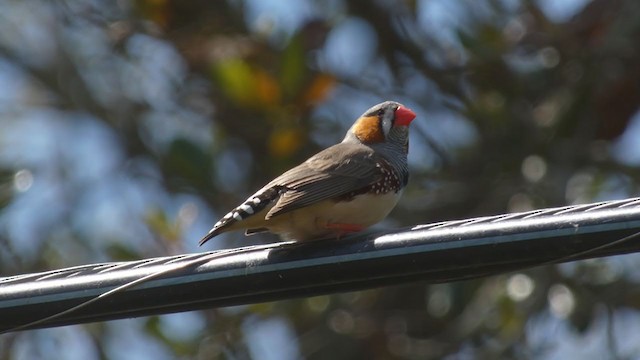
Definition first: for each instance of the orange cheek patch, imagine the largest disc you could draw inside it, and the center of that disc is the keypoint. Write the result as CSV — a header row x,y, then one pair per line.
x,y
367,129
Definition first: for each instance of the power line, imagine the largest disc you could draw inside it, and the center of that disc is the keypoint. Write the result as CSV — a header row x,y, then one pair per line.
x,y
440,252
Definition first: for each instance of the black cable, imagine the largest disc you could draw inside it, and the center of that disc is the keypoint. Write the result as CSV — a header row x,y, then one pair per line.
x,y
440,252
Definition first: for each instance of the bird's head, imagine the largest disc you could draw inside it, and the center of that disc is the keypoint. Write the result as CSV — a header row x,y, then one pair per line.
x,y
386,122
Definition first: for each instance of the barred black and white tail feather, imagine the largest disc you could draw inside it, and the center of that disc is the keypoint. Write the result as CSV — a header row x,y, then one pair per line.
x,y
253,205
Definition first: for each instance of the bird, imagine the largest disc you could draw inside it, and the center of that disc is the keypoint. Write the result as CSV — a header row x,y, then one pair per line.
x,y
343,189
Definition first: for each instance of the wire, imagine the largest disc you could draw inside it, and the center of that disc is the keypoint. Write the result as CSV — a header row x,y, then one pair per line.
x,y
439,252
146,278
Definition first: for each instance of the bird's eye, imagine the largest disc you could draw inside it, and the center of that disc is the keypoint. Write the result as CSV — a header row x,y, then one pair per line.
x,y
380,112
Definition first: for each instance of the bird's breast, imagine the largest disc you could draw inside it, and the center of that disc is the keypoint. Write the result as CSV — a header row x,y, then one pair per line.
x,y
364,209
314,221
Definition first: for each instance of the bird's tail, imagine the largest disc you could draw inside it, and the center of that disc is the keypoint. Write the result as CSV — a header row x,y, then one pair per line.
x,y
253,205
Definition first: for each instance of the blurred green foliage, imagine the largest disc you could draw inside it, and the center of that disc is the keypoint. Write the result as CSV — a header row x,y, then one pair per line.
x,y
130,127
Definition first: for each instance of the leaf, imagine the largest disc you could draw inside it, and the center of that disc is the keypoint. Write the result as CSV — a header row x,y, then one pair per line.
x,y
293,67
160,225
189,163
319,89
267,89
246,85
285,141
235,78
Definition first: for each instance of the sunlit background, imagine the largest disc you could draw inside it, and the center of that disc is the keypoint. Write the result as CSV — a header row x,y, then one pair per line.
x,y
127,128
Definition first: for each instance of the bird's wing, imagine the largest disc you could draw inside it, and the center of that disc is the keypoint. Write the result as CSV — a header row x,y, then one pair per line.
x,y
336,171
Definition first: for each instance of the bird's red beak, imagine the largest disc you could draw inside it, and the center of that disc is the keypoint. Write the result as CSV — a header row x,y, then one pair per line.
x,y
404,116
